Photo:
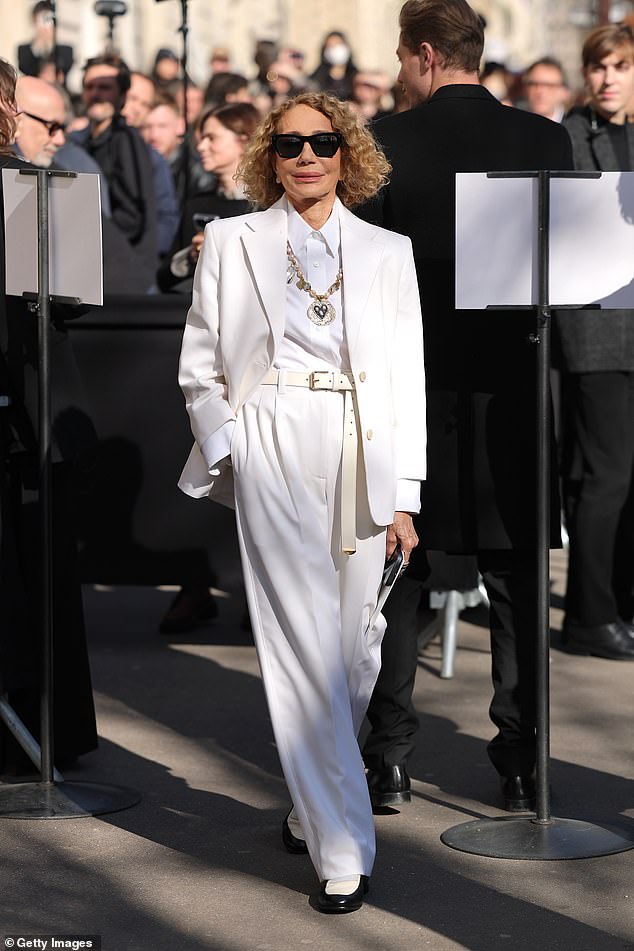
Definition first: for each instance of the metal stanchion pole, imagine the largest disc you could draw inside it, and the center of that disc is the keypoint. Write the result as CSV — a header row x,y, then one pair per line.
x,y
49,799
544,425
43,309
539,837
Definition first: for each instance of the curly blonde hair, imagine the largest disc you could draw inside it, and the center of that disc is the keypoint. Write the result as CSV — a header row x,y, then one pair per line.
x,y
363,165
8,118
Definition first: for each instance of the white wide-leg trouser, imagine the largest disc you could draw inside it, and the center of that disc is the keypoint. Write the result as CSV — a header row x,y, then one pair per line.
x,y
310,607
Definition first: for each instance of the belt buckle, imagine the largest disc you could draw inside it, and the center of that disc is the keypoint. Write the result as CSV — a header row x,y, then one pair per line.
x,y
315,380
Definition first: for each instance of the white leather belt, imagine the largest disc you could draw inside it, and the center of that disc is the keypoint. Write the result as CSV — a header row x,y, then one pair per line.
x,y
336,381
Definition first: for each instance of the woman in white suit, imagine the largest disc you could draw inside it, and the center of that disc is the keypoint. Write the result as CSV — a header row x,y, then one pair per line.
x,y
302,369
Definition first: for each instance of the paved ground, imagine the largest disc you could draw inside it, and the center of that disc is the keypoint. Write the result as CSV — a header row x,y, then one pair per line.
x,y
198,863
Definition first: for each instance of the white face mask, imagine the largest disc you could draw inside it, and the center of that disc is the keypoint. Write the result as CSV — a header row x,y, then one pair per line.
x,y
337,55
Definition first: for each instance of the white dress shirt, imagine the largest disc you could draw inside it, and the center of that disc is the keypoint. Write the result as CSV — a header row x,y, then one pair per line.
x,y
305,345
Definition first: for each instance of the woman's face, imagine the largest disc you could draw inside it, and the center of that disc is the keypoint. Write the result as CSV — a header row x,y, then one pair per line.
x,y
307,178
220,149
336,52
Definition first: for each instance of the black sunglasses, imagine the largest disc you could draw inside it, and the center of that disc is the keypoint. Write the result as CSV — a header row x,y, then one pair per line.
x,y
323,144
50,124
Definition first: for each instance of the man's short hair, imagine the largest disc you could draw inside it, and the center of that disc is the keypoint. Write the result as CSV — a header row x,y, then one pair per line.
x,y
123,71
552,63
222,85
42,6
451,27
606,40
164,98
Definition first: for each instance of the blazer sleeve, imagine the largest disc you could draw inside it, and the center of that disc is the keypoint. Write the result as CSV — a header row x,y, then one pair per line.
x,y
201,368
408,376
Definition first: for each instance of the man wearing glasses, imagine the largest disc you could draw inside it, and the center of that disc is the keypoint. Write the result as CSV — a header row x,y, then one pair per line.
x,y
41,128
41,135
545,89
123,158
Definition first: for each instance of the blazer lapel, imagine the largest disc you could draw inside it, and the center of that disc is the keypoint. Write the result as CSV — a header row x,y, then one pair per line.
x,y
264,242
361,252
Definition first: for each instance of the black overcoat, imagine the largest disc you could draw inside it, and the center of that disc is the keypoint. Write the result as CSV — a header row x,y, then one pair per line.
x,y
481,487
591,341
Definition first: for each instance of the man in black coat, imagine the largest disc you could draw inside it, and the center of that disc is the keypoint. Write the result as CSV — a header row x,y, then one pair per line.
x,y
596,355
480,492
125,161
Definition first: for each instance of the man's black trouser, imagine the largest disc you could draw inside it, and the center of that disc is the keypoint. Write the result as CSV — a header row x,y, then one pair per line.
x,y
598,468
510,578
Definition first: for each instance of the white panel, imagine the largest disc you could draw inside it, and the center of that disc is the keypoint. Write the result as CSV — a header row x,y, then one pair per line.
x,y
74,235
592,241
496,222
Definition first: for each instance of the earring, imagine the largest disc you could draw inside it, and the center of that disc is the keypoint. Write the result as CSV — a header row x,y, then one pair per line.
x,y
277,181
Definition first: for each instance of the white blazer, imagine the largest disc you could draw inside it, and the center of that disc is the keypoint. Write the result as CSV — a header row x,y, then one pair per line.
x,y
236,321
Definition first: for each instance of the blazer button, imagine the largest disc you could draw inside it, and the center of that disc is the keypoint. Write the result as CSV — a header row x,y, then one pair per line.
x,y
362,376
369,434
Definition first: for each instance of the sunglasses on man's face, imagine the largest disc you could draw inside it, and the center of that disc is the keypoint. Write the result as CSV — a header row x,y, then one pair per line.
x,y
50,124
290,145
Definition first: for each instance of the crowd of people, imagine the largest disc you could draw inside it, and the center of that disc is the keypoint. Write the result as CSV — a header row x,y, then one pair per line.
x,y
325,485
190,172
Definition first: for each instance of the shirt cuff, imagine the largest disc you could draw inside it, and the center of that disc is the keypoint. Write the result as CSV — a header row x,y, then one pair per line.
x,y
407,496
218,445
180,264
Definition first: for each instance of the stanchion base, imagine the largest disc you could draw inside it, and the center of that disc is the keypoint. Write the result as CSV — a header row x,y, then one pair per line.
x,y
525,838
63,800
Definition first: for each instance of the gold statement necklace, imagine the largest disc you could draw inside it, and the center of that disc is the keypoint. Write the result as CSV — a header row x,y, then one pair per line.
x,y
320,310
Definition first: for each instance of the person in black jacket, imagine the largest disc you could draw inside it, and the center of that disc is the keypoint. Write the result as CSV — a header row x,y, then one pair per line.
x,y
597,360
336,68
43,56
124,159
224,134
479,497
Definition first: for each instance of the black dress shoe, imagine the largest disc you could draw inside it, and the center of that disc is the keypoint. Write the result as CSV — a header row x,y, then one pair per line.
x,y
518,793
192,606
388,787
292,843
613,641
340,904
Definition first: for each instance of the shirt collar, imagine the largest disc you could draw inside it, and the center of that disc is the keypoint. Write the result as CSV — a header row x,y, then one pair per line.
x,y
299,230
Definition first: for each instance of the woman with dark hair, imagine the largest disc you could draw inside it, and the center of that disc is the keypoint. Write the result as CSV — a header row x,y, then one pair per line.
x,y
226,88
223,134
303,374
336,69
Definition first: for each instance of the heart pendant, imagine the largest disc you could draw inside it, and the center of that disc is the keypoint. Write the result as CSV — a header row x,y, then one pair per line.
x,y
321,313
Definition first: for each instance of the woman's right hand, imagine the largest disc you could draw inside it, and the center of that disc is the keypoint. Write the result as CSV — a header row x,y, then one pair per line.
x,y
197,243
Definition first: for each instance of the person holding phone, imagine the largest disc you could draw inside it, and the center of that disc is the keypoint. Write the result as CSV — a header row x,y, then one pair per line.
x,y
44,57
303,373
223,134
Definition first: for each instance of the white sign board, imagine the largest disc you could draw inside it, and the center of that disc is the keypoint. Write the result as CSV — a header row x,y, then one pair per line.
x,y
591,241
75,244
496,227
